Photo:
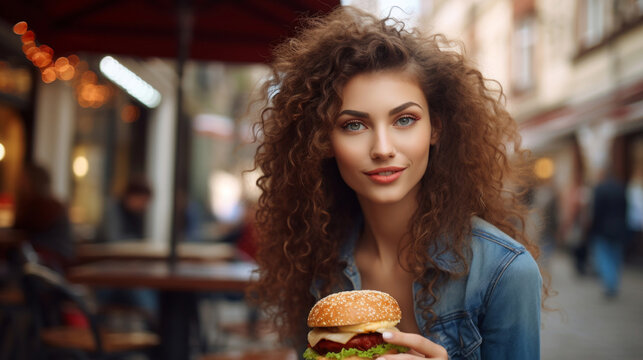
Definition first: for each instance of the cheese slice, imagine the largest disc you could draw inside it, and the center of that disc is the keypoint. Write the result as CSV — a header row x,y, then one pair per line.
x,y
369,327
342,335
318,335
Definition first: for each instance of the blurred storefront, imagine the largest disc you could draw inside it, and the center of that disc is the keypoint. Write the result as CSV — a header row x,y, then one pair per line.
x,y
124,139
94,135
16,121
572,72
91,135
109,144
97,136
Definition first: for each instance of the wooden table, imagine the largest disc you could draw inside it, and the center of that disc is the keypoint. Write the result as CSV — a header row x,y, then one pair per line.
x,y
138,250
179,286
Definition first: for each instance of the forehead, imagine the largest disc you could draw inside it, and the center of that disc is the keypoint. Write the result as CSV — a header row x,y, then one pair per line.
x,y
381,89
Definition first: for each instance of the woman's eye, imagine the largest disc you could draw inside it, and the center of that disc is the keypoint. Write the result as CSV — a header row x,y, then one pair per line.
x,y
354,126
405,121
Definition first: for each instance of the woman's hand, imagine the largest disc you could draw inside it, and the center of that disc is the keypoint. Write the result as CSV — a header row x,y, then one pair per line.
x,y
420,346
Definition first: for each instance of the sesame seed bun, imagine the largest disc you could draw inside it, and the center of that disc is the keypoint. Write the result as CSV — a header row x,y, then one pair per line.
x,y
354,307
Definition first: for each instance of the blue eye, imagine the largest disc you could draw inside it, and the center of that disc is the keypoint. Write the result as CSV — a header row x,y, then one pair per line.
x,y
405,121
354,126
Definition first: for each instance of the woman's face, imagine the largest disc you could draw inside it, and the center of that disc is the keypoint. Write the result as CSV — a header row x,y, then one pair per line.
x,y
382,136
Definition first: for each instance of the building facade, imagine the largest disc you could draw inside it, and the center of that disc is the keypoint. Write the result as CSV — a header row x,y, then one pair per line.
x,y
572,72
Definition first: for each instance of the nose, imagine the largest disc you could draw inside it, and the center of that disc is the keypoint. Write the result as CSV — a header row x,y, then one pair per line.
x,y
383,146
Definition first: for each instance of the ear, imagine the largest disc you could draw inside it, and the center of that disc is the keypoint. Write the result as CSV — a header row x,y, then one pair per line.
x,y
435,136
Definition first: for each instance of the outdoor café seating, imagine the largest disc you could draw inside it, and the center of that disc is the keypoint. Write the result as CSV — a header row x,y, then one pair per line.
x,y
63,323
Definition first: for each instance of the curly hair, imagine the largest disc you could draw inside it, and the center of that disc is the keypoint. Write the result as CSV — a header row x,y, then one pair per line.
x,y
306,209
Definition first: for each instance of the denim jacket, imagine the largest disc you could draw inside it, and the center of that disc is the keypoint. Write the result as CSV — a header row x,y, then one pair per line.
x,y
493,312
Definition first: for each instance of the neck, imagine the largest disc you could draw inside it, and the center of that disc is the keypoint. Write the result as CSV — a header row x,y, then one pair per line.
x,y
386,226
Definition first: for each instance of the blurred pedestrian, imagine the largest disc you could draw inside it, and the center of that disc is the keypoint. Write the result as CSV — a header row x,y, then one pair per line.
x,y
545,212
124,220
575,227
609,231
634,194
43,218
125,217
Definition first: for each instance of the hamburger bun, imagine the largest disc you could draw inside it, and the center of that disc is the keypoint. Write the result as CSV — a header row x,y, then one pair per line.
x,y
353,308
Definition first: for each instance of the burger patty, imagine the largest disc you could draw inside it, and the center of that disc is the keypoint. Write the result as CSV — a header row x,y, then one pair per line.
x,y
361,342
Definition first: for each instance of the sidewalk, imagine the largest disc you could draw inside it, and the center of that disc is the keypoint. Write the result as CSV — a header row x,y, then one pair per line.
x,y
587,325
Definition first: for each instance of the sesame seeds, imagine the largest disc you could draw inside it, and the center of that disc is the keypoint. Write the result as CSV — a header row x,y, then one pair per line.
x,y
354,307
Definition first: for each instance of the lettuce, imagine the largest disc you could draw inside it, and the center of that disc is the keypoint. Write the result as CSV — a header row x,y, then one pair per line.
x,y
380,349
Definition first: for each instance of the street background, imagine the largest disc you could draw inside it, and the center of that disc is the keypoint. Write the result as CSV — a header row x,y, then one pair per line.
x,y
586,325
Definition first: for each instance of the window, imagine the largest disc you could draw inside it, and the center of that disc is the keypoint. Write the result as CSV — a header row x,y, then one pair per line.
x,y
600,21
592,22
627,12
523,76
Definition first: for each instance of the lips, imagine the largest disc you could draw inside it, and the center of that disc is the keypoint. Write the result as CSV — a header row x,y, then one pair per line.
x,y
385,175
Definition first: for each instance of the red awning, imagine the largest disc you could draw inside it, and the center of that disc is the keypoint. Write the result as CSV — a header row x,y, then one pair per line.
x,y
226,30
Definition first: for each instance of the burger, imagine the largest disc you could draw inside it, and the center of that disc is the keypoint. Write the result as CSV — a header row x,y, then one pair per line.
x,y
348,326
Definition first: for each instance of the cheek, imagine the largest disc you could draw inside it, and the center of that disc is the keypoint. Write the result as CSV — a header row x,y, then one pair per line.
x,y
417,147
346,151
345,162
349,159
419,151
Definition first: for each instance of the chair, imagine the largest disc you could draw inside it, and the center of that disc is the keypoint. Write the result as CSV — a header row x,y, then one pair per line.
x,y
14,323
15,319
50,299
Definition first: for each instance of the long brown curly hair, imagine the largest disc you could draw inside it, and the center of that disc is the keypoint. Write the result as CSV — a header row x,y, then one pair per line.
x,y
306,209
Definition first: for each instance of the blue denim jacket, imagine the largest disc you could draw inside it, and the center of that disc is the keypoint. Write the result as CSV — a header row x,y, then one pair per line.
x,y
493,312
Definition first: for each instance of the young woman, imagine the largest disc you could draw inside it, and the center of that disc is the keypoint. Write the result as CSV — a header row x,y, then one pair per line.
x,y
385,160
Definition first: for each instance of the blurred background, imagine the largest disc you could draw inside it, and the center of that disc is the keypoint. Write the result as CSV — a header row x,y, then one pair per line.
x,y
129,122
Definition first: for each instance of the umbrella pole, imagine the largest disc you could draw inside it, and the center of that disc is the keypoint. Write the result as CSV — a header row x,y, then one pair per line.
x,y
182,158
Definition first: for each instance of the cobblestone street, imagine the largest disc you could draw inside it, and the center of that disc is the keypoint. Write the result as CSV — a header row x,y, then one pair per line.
x,y
586,324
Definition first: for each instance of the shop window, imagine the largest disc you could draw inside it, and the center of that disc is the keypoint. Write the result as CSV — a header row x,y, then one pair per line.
x,y
109,148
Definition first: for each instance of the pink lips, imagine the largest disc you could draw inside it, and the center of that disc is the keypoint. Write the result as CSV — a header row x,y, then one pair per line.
x,y
385,175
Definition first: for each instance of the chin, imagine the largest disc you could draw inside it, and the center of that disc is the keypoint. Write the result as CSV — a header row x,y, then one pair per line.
x,y
385,196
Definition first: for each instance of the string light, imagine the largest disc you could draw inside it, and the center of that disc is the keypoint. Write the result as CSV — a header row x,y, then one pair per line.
x,y
20,28
88,92
43,56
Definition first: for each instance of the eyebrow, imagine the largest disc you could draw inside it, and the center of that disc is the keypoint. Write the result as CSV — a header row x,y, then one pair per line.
x,y
394,111
403,107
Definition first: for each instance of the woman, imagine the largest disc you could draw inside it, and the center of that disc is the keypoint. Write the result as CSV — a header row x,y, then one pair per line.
x,y
385,164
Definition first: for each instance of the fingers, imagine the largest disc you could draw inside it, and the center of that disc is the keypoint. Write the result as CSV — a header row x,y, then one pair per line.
x,y
419,345
411,355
